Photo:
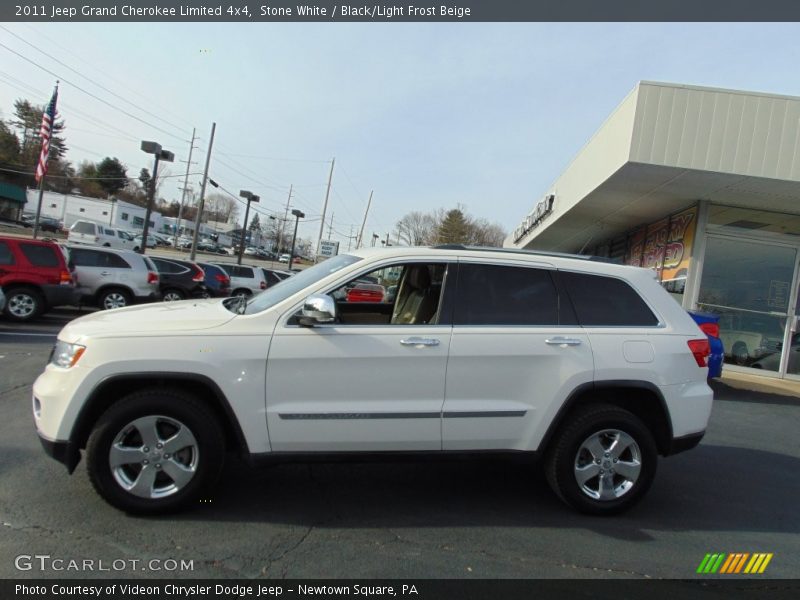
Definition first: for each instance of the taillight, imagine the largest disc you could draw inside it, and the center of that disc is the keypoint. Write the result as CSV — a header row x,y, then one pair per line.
x,y
224,280
65,278
152,277
700,349
263,285
199,275
711,329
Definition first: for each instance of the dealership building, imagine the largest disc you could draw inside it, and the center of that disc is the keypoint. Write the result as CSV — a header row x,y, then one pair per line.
x,y
702,185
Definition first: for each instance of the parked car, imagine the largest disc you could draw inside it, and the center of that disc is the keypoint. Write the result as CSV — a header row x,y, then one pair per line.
x,y
275,276
284,258
47,224
110,278
34,277
772,362
137,241
97,234
246,280
366,292
217,281
709,324
180,279
592,366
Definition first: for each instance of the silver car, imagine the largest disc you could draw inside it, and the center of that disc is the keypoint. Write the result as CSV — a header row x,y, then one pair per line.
x,y
246,280
112,278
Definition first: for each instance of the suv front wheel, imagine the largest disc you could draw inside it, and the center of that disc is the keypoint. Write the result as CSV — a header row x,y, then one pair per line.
x,y
23,304
155,451
602,461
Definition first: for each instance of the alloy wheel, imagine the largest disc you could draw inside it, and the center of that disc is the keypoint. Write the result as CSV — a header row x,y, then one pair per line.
x,y
608,464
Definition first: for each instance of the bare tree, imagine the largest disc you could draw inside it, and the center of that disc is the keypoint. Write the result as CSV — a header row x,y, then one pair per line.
x,y
417,229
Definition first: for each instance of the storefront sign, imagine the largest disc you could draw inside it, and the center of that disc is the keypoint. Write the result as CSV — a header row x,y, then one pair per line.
x,y
328,249
536,216
678,249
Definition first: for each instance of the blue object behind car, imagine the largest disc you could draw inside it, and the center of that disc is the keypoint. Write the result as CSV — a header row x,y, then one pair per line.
x,y
709,324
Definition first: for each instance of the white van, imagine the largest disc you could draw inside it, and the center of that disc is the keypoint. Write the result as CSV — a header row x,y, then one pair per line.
x,y
96,234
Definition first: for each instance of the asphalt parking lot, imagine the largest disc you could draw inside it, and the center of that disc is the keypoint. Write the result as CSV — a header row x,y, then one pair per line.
x,y
737,492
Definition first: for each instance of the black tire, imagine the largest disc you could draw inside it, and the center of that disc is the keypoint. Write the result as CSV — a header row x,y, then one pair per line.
x,y
740,353
173,295
23,303
109,298
568,455
203,459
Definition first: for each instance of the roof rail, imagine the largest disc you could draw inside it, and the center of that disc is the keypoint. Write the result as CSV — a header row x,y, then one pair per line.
x,y
587,257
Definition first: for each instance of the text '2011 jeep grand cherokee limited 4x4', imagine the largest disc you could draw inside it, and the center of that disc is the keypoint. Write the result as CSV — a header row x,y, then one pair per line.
x,y
590,365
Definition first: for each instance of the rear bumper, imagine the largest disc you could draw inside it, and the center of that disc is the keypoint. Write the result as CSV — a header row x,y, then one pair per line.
x,y
60,295
64,452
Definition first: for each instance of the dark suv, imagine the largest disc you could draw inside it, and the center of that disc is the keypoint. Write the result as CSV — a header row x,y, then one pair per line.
x,y
180,279
34,277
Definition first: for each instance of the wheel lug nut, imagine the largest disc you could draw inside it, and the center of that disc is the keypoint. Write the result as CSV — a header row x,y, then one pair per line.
x,y
597,461
616,460
158,465
607,454
601,471
166,456
159,446
145,462
146,449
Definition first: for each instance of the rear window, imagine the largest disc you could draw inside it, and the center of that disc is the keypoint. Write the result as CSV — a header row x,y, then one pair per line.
x,y
237,271
40,256
606,301
167,266
6,258
83,227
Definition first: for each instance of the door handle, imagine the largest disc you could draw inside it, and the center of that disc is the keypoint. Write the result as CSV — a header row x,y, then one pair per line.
x,y
105,273
562,341
418,342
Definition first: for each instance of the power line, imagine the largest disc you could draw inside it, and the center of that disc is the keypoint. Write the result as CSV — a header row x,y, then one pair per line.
x,y
79,88
63,64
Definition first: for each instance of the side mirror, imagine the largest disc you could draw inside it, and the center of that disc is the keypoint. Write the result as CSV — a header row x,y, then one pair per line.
x,y
318,309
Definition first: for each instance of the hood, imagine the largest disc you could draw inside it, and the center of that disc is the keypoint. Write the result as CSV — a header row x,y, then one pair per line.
x,y
147,319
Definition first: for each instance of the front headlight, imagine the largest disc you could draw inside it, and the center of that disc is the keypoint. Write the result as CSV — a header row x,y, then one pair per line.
x,y
66,355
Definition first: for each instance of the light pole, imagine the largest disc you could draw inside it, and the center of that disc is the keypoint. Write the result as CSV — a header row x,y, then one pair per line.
x,y
251,197
298,215
374,237
160,154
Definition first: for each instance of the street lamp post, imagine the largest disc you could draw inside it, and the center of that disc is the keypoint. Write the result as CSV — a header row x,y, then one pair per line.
x,y
298,215
160,154
251,197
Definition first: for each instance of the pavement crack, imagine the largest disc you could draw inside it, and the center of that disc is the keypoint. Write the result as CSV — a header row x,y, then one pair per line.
x,y
265,570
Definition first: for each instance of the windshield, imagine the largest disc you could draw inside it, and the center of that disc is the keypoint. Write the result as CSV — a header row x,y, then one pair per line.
x,y
290,286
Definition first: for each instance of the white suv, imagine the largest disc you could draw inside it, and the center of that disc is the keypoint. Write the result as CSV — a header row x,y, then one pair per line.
x,y
591,365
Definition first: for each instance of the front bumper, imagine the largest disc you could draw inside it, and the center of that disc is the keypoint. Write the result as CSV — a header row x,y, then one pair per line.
x,y
64,452
684,443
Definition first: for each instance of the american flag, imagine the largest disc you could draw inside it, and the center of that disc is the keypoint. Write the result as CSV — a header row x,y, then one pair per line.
x,y
48,117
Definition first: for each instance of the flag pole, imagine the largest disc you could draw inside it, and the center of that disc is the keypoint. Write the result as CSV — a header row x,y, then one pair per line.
x,y
44,169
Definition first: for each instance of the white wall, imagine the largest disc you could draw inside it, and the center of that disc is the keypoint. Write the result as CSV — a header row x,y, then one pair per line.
x,y
70,207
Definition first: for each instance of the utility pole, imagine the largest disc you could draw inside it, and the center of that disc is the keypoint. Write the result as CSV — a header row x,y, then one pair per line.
x,y
330,227
361,233
202,193
283,221
386,243
185,188
350,238
325,206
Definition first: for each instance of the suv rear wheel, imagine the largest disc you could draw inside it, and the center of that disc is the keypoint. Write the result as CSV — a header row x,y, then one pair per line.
x,y
602,461
113,298
23,303
173,295
155,451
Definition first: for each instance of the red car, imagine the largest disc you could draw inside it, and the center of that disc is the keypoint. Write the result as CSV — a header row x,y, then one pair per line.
x,y
366,292
34,277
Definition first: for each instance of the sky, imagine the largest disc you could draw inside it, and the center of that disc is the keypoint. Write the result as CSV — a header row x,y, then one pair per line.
x,y
428,115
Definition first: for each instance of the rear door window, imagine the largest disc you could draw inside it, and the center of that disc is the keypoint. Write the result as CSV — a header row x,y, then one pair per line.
x,y
601,301
40,256
505,295
85,258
